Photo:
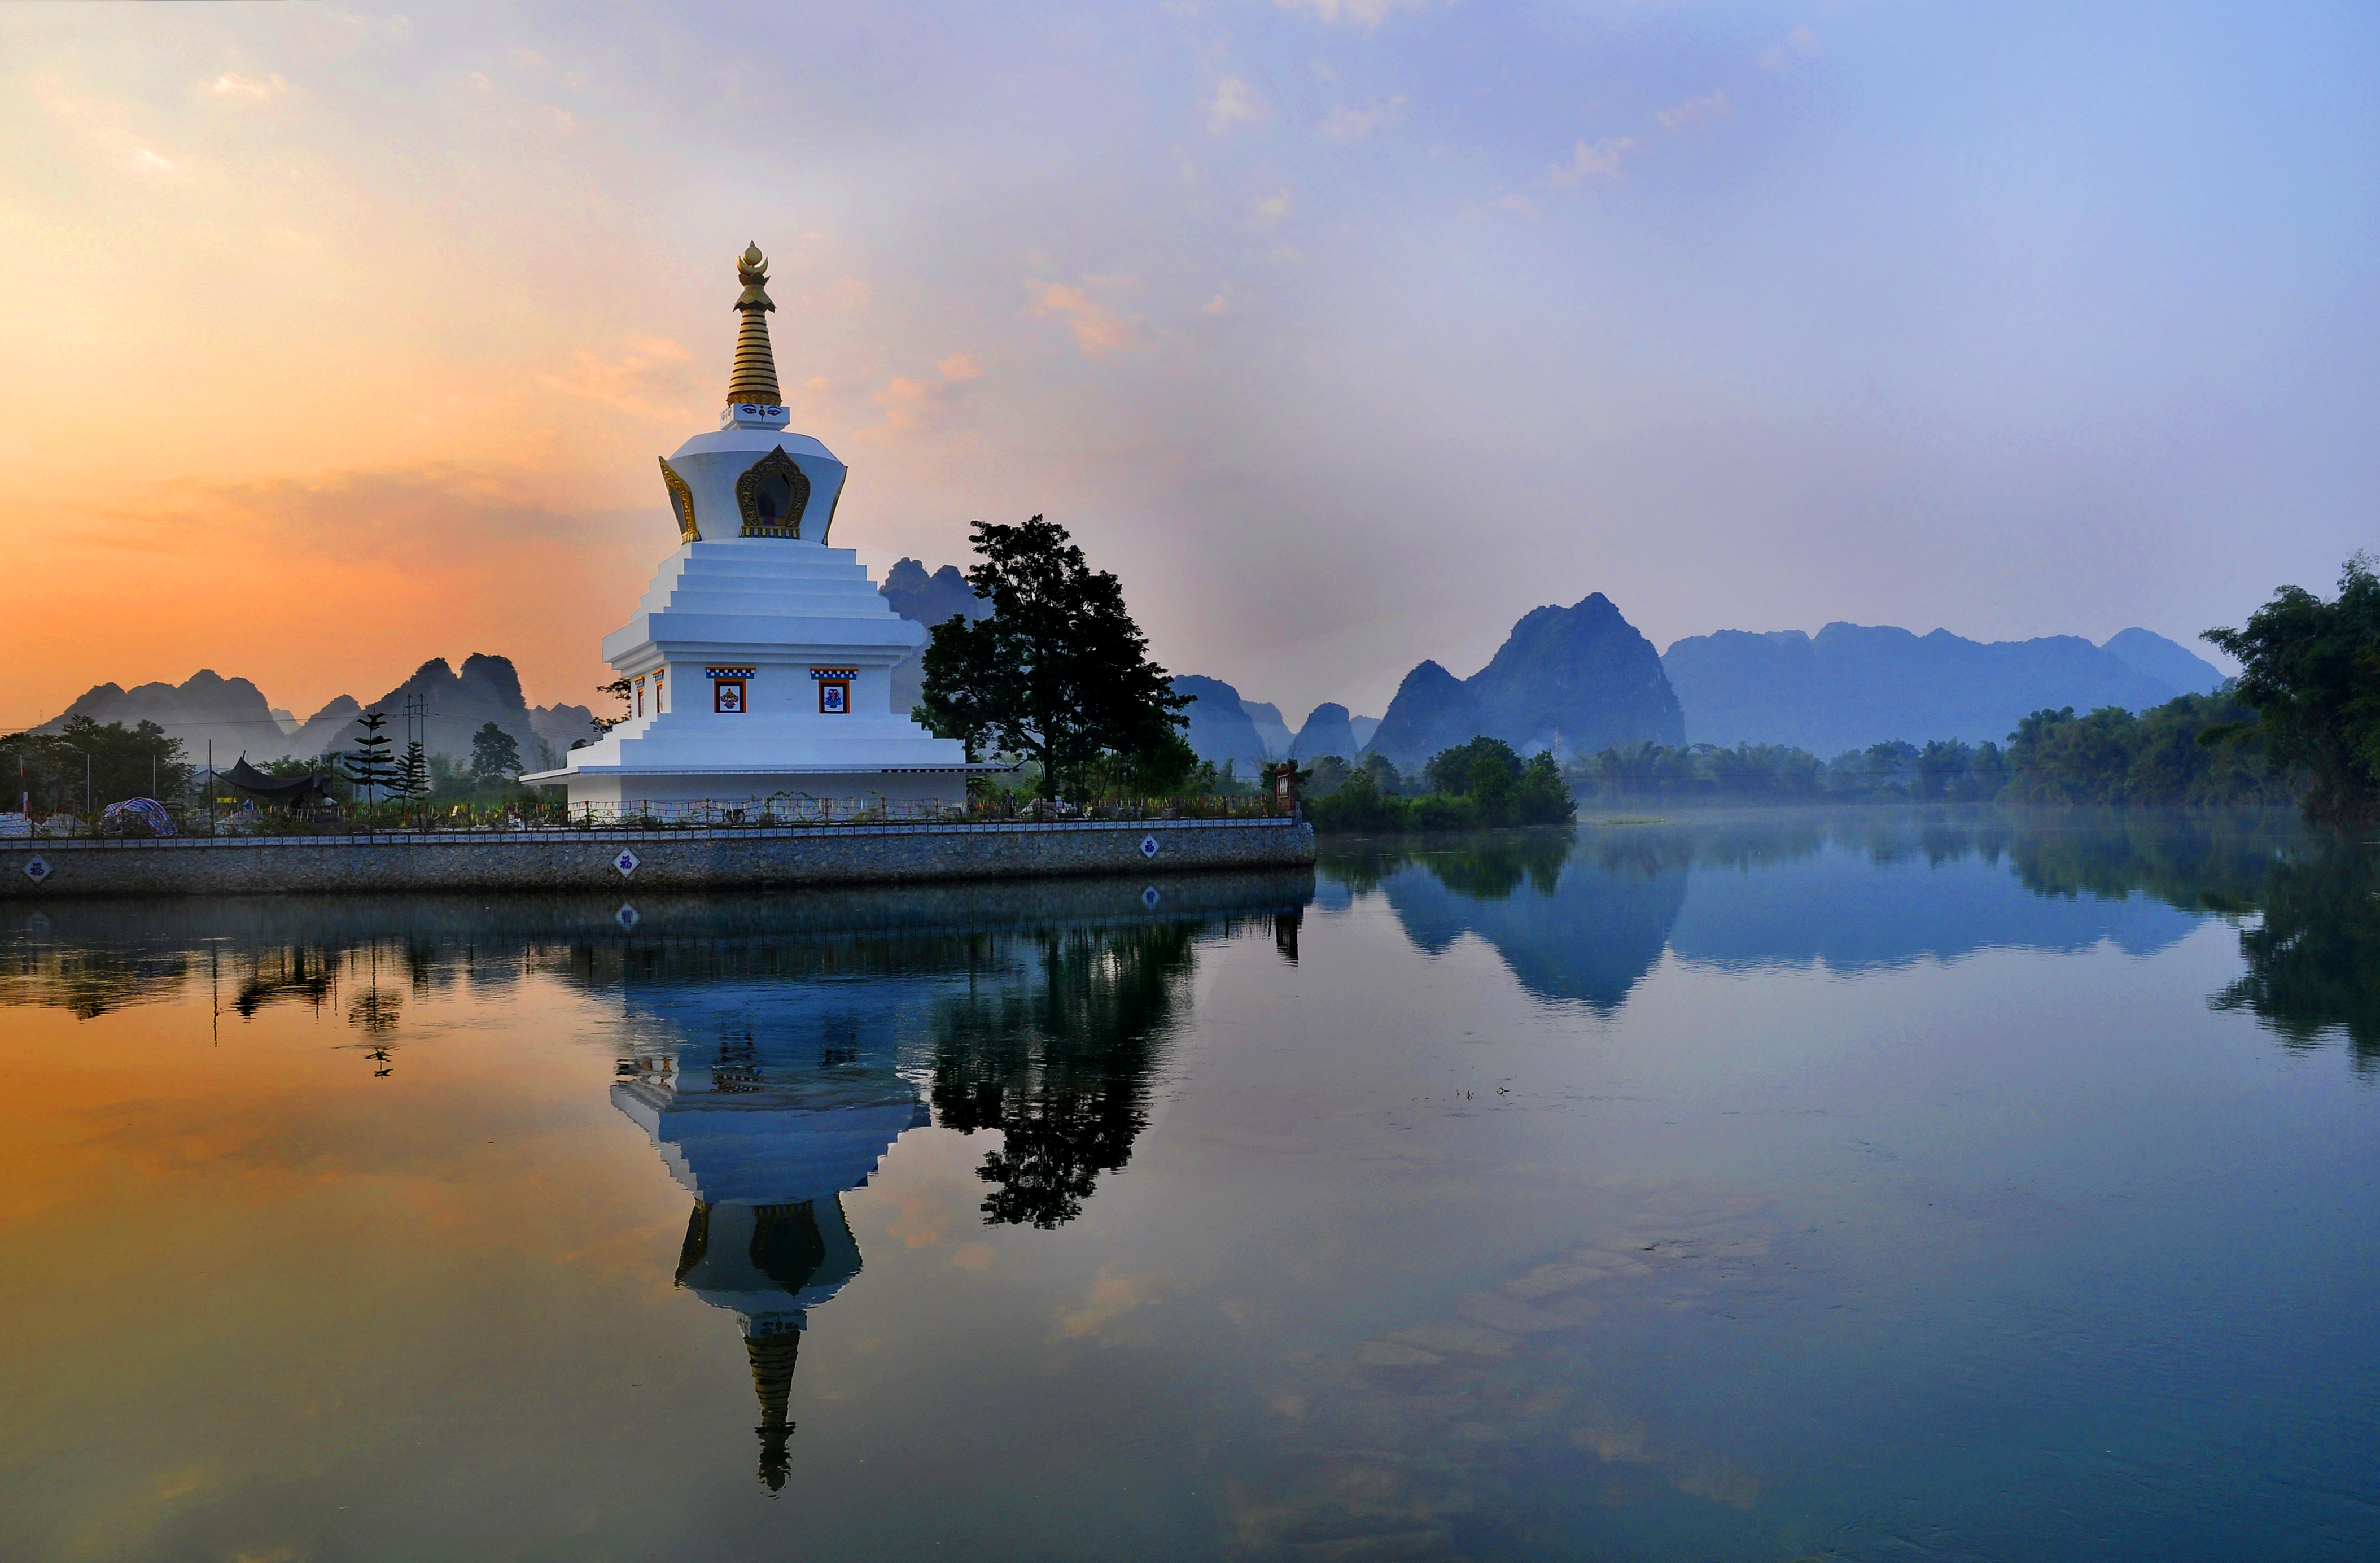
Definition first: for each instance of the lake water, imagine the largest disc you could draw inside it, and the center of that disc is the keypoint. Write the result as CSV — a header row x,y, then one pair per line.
x,y
1875,1186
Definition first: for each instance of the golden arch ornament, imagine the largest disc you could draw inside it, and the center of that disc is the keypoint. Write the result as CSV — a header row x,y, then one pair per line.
x,y
756,497
681,500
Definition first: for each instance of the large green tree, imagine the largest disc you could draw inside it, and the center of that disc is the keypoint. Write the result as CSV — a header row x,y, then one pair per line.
x,y
2311,672
494,753
1057,672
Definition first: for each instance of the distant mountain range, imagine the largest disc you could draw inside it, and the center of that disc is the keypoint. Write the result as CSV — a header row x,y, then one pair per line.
x,y
1577,679
930,599
1851,686
1574,680
233,716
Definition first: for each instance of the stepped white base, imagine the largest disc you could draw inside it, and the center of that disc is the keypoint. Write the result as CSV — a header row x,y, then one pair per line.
x,y
688,757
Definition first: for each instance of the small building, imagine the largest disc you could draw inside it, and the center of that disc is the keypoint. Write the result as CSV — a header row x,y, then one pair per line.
x,y
759,662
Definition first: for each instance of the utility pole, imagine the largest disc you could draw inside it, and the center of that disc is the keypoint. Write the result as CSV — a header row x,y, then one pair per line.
x,y
210,789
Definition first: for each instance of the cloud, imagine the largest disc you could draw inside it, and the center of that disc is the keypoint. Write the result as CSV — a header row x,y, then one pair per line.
x,y
1800,44
1346,125
1113,1295
1354,13
653,377
1100,330
231,85
1234,103
427,520
150,162
1588,161
925,406
1696,113
1272,208
1517,201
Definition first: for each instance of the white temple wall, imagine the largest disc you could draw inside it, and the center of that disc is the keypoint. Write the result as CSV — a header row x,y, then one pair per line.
x,y
775,690
852,792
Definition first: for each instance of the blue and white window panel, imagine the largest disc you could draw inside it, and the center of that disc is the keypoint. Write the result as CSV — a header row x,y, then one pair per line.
x,y
834,690
730,689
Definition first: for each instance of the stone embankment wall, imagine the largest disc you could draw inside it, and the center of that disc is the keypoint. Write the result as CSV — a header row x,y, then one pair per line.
x,y
675,860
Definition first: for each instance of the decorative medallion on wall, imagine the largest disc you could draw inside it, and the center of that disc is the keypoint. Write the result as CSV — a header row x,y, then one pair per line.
x,y
772,494
681,504
625,862
36,870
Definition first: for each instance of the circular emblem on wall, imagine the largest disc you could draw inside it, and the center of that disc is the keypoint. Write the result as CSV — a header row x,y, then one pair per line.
x,y
1149,897
37,869
625,862
1148,846
625,917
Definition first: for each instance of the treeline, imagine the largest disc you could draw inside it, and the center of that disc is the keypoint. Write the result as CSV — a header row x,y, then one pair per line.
x,y
1479,785
2181,752
86,765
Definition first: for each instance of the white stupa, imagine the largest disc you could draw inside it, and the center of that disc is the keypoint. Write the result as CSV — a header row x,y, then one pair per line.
x,y
761,658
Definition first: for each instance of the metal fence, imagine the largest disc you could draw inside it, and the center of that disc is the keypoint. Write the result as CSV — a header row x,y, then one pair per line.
x,y
779,811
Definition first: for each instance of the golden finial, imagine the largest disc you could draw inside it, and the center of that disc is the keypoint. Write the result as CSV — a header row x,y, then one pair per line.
x,y
754,377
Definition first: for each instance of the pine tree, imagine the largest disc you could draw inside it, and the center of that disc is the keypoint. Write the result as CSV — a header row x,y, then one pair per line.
x,y
370,766
411,781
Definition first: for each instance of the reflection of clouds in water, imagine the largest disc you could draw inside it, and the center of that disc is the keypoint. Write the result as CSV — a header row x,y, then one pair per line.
x,y
1113,1295
1435,1438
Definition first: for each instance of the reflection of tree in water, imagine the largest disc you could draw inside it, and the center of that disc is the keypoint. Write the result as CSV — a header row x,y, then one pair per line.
x,y
2313,965
86,979
2196,861
1060,1063
1492,867
1488,865
293,971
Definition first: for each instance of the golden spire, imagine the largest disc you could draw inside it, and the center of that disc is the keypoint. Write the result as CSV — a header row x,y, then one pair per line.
x,y
773,1356
754,378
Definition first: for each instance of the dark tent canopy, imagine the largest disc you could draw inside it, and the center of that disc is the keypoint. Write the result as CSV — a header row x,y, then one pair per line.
x,y
280,789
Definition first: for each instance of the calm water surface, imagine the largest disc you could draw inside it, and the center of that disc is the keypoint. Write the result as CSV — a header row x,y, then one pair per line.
x,y
1872,1187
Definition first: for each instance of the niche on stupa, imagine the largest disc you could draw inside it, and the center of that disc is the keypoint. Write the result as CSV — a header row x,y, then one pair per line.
x,y
772,494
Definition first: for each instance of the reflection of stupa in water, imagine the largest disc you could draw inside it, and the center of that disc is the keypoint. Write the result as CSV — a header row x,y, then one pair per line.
x,y
767,1123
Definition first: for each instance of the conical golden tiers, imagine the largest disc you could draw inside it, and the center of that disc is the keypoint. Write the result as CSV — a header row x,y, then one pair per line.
x,y
754,378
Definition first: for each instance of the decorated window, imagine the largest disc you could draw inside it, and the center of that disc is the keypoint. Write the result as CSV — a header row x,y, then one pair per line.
x,y
658,706
728,690
640,697
834,690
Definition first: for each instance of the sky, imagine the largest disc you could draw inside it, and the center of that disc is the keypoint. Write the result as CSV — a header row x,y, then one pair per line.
x,y
1345,332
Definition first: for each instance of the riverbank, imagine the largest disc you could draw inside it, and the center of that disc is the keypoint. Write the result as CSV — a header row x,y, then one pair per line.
x,y
723,858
